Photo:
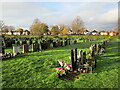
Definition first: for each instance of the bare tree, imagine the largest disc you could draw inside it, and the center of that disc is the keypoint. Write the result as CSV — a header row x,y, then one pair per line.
x,y
77,24
1,25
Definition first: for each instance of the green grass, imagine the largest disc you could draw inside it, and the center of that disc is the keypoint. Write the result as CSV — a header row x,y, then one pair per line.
x,y
64,36
37,70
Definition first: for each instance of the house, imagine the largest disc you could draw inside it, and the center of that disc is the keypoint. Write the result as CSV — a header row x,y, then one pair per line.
x,y
71,32
3,32
112,33
104,33
87,32
9,33
26,32
16,33
94,32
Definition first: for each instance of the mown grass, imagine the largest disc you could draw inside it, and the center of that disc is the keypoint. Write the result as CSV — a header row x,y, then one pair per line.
x,y
37,70
63,36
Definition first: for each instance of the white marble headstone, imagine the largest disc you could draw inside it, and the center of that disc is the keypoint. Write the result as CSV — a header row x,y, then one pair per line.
x,y
16,49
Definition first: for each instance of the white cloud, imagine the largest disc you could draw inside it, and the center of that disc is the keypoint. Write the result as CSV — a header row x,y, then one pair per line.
x,y
110,16
22,14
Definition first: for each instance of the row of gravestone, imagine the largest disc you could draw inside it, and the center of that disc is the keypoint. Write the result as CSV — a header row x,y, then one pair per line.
x,y
43,45
79,63
7,42
36,47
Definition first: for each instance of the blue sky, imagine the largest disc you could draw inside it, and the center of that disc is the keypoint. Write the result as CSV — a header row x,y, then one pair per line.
x,y
96,15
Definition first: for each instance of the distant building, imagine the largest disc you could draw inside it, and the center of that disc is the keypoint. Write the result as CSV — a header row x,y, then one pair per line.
x,y
104,33
112,33
26,32
87,32
71,32
94,32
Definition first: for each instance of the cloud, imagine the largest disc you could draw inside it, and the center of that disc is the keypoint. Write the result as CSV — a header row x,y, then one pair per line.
x,y
22,14
110,16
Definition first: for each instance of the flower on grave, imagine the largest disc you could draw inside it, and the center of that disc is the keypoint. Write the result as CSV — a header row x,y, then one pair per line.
x,y
12,54
62,72
3,55
67,67
59,68
61,63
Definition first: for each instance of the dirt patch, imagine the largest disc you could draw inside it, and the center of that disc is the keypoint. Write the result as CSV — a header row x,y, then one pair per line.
x,y
71,76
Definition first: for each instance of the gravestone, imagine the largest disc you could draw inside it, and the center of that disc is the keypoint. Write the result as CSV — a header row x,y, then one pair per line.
x,y
75,41
75,58
25,48
35,47
61,43
54,44
3,50
72,60
16,49
65,43
84,57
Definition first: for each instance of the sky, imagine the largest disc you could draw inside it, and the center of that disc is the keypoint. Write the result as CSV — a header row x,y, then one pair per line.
x,y
96,15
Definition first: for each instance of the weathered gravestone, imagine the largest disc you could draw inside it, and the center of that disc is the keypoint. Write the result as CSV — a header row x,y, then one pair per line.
x,y
35,47
54,44
17,42
25,48
75,41
3,50
72,60
85,66
61,43
65,43
16,49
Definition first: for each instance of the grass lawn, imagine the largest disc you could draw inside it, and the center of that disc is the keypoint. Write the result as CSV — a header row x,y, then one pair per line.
x,y
37,70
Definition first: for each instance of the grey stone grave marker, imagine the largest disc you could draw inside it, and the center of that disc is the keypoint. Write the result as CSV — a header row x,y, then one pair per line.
x,y
25,48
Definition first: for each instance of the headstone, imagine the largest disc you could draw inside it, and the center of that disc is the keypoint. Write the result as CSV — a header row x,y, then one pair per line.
x,y
54,44
72,60
25,48
35,47
16,49
84,57
75,58
3,50
81,57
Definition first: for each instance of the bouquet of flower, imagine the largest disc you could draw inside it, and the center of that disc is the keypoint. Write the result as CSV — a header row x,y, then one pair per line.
x,y
63,69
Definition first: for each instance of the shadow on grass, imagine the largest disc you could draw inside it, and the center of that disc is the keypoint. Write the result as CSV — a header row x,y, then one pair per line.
x,y
71,76
111,55
108,62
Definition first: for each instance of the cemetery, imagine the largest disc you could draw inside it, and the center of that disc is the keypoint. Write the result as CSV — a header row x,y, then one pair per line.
x,y
60,62
59,44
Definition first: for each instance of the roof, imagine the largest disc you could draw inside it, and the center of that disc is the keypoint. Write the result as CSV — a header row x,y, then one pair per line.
x,y
94,31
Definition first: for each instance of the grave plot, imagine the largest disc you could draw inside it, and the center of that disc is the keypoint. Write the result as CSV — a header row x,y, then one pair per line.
x,y
79,63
